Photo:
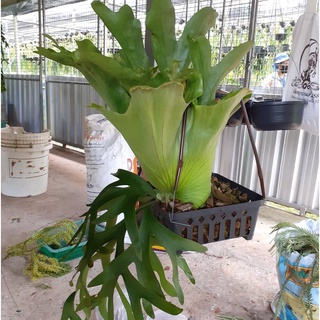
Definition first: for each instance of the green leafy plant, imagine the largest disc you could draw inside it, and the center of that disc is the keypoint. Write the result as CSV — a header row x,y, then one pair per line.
x,y
153,99
170,117
289,239
39,265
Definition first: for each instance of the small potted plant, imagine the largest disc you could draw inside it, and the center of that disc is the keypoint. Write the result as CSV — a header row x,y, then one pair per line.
x,y
171,119
297,250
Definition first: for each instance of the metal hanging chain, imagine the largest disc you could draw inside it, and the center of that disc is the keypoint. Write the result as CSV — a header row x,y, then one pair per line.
x,y
180,160
180,165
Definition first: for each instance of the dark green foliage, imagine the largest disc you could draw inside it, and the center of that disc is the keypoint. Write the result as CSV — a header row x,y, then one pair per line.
x,y
137,265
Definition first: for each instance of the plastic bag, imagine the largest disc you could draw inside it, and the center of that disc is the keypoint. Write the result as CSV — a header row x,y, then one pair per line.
x,y
106,151
161,315
303,74
120,312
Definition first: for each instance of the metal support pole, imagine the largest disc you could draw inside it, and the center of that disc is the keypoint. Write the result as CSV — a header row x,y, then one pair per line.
x,y
221,30
148,46
251,36
42,68
16,43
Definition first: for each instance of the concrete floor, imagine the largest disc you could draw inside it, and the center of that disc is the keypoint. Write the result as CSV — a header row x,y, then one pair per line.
x,y
234,277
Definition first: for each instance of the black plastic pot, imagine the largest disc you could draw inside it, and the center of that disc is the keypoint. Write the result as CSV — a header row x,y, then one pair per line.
x,y
271,48
226,49
285,47
270,115
259,50
281,36
235,119
247,105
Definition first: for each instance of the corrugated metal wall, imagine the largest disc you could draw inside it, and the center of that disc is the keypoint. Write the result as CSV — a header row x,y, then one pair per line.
x,y
67,101
23,102
289,159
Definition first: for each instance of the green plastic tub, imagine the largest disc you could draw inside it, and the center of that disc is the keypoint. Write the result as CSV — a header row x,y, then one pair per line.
x,y
65,253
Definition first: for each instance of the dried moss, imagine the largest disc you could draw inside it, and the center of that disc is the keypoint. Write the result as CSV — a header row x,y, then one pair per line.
x,y
39,265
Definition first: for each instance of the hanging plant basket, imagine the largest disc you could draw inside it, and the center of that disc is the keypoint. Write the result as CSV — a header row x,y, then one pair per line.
x,y
281,36
271,48
259,50
270,115
226,49
285,47
217,223
241,82
230,211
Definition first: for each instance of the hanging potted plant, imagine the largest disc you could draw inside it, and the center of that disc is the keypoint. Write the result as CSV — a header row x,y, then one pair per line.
x,y
172,121
4,45
297,250
272,113
280,36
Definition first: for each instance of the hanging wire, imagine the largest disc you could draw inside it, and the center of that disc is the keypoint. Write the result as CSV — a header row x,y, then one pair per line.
x,y
180,165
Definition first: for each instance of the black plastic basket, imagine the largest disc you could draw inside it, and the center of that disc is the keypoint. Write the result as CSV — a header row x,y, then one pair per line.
x,y
215,224
219,223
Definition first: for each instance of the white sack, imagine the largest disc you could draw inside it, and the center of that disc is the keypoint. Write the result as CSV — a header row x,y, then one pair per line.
x,y
303,73
106,151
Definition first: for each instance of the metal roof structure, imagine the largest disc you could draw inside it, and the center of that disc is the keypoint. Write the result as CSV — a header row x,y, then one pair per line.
x,y
77,15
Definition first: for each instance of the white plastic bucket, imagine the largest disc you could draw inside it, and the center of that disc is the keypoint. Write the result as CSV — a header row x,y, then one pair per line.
x,y
24,162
